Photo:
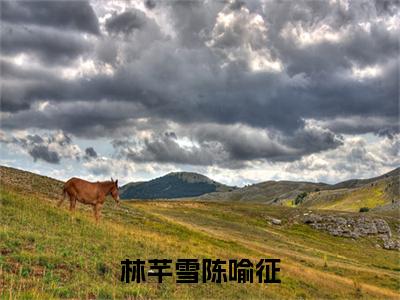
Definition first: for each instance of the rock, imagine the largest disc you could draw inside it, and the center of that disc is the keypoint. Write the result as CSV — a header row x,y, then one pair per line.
x,y
353,227
341,221
391,244
276,221
312,218
271,220
382,227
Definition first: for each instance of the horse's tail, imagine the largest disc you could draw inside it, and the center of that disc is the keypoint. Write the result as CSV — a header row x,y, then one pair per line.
x,y
64,194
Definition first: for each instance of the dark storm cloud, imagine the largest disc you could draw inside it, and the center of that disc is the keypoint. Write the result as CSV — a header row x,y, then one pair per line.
x,y
374,45
90,152
195,71
218,95
246,144
43,153
20,93
237,4
35,139
11,99
48,148
10,71
242,143
150,4
386,126
312,140
387,6
81,118
165,149
49,45
228,146
193,20
126,22
357,48
76,15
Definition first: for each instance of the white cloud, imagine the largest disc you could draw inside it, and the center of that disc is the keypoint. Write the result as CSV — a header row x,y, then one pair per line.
x,y
316,34
366,72
242,36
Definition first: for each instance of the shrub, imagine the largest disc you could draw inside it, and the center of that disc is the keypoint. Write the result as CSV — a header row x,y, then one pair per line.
x,y
364,209
300,197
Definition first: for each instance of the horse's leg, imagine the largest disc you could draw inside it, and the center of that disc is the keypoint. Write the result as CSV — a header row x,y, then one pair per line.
x,y
72,204
62,199
94,210
59,203
97,211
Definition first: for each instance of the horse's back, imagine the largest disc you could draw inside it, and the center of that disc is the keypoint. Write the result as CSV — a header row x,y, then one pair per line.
x,y
76,180
77,184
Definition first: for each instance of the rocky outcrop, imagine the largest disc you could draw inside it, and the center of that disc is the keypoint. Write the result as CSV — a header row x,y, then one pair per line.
x,y
353,227
276,221
391,244
273,221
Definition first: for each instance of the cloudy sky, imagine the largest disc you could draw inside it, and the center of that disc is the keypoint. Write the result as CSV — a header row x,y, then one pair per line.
x,y
241,91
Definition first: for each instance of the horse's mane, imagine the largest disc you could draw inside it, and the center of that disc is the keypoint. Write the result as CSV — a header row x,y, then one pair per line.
x,y
104,182
106,185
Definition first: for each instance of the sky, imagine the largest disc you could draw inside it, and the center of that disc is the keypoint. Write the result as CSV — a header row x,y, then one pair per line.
x,y
240,91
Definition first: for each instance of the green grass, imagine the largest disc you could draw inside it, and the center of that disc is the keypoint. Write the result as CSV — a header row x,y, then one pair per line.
x,y
288,202
370,197
47,252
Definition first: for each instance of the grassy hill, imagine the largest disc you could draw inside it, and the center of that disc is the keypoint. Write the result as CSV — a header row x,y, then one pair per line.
x,y
382,192
354,183
46,252
266,192
173,185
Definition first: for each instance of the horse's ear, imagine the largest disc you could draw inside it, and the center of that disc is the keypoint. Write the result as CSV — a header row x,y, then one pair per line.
x,y
112,179
116,182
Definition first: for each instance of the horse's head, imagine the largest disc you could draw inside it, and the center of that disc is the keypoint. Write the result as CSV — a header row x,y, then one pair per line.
x,y
115,190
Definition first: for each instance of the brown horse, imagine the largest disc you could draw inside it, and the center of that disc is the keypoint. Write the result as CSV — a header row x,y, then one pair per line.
x,y
90,193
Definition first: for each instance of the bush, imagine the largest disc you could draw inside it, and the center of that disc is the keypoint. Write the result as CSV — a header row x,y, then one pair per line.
x,y
300,197
364,209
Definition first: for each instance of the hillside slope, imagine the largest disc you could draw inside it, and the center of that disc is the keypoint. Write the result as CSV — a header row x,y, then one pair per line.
x,y
354,183
267,192
30,183
382,192
173,185
45,252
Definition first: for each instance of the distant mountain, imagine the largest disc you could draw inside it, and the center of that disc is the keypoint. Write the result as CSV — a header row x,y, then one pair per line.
x,y
353,183
382,192
377,193
173,185
268,191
